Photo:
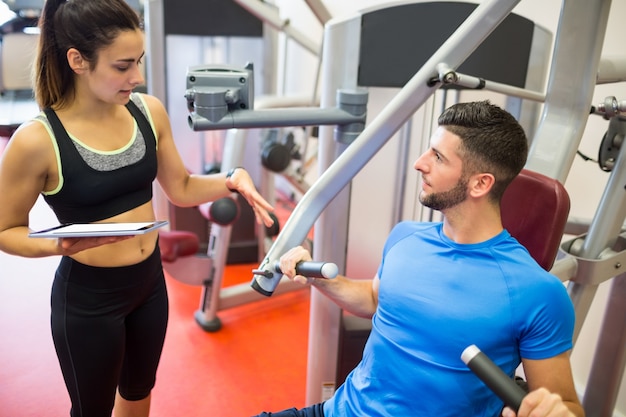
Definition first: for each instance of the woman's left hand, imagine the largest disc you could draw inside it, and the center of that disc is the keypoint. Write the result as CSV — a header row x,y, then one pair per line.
x,y
241,182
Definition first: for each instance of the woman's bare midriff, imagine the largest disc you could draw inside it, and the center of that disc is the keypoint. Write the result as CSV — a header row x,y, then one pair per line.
x,y
125,252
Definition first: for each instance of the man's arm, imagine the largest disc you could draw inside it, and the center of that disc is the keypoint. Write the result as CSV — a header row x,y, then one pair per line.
x,y
358,296
551,385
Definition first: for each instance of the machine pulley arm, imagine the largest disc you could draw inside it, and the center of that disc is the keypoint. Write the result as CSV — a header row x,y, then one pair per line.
x,y
448,76
221,97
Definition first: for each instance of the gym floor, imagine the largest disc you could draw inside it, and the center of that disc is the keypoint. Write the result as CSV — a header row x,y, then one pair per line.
x,y
256,362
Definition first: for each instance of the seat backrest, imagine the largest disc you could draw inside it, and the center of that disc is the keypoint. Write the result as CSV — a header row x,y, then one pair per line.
x,y
534,210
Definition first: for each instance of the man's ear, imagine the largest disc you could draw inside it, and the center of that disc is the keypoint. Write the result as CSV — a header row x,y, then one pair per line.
x,y
76,61
480,184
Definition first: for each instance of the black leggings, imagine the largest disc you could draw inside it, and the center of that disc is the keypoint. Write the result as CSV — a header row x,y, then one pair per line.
x,y
108,327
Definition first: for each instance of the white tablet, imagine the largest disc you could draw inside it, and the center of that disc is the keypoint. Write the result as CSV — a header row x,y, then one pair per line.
x,y
99,229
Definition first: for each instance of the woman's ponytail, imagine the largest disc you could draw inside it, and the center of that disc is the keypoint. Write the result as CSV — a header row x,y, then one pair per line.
x,y
48,84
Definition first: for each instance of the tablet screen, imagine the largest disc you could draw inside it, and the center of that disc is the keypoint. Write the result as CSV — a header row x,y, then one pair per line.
x,y
99,229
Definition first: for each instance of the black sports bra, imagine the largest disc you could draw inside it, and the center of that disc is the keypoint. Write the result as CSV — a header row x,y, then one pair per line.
x,y
88,194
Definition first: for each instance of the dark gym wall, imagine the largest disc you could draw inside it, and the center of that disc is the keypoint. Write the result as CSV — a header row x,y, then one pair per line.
x,y
209,18
397,41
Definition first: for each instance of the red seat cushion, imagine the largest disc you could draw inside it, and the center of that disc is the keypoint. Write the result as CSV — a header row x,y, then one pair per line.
x,y
534,210
177,243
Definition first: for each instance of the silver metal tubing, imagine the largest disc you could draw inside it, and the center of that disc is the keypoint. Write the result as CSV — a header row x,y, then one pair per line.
x,y
604,230
612,69
607,368
401,169
269,14
155,56
219,238
571,83
482,84
319,10
276,118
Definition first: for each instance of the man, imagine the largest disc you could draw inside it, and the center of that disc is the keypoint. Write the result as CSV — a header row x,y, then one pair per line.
x,y
443,286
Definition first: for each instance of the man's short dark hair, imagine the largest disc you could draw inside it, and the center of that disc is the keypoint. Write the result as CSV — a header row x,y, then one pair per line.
x,y
491,141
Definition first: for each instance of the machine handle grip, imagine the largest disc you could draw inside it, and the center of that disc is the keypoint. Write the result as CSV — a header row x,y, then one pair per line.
x,y
314,269
266,281
499,382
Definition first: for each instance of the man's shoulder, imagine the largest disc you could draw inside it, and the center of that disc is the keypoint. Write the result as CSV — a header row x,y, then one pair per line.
x,y
405,229
409,226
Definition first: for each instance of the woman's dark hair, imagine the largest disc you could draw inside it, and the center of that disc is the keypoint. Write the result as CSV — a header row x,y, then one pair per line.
x,y
491,141
88,26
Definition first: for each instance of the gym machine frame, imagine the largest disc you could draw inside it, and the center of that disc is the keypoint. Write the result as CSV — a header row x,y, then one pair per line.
x,y
222,97
207,269
587,261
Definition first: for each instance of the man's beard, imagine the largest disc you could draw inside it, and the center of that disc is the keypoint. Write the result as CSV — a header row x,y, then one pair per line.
x,y
445,200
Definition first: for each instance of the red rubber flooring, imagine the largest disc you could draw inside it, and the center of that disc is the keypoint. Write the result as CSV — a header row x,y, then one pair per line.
x,y
256,362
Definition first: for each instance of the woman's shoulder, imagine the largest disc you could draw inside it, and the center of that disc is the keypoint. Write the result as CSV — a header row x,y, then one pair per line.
x,y
147,100
152,107
32,134
31,146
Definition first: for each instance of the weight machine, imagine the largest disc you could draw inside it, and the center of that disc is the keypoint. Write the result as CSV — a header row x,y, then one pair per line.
x,y
586,261
222,98
180,249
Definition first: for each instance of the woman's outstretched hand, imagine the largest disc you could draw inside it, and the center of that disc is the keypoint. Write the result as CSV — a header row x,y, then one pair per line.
x,y
241,182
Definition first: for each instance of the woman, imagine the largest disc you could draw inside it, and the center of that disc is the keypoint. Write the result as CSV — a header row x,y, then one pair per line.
x,y
93,154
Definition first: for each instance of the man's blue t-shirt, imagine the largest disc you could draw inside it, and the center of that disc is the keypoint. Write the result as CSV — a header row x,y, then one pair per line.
x,y
436,298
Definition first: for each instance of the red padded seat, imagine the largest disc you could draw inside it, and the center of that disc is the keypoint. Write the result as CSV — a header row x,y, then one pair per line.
x,y
177,243
534,210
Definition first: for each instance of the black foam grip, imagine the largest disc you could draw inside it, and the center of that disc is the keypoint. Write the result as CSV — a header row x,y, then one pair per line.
x,y
499,382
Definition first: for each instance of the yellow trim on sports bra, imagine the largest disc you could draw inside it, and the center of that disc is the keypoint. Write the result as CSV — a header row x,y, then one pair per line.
x,y
133,138
56,152
145,106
